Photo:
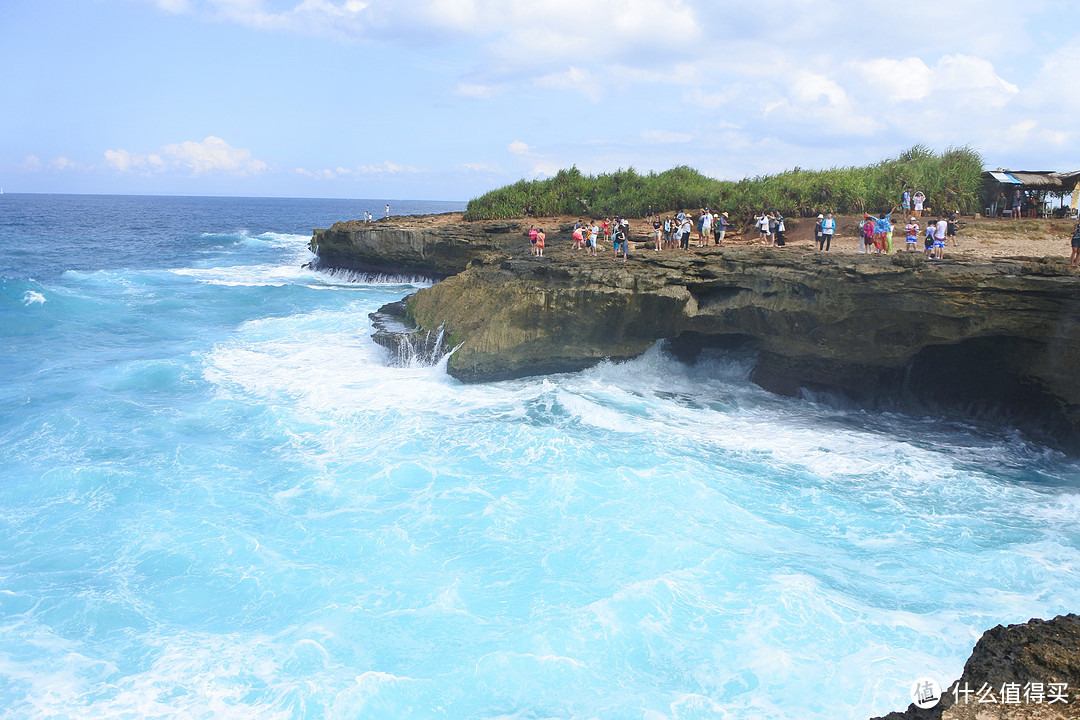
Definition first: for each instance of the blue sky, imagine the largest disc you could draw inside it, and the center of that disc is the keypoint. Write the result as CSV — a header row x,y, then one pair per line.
x,y
446,99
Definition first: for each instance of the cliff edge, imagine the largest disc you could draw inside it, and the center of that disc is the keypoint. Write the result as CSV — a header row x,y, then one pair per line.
x,y
994,336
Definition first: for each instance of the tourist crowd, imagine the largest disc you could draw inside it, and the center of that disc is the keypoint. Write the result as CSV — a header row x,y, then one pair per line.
x,y
684,230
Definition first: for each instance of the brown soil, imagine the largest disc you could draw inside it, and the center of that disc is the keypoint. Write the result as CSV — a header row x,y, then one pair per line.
x,y
979,238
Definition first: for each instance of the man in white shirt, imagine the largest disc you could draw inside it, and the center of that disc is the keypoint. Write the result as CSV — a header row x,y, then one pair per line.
x,y
939,238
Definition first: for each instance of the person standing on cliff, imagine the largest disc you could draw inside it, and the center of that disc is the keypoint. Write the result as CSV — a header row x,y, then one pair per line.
x,y
920,200
828,229
593,232
953,226
911,234
685,231
940,231
883,226
905,201
1074,259
721,228
866,236
706,228
762,222
540,238
819,235
619,240
387,211
532,239
658,233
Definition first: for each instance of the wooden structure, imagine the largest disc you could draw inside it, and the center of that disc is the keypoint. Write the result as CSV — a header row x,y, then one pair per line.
x,y
1037,189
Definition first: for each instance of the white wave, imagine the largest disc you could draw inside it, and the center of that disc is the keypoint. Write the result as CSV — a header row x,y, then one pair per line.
x,y
33,297
357,277
246,275
283,239
191,675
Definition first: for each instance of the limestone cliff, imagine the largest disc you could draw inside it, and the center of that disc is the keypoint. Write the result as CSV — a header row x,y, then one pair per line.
x,y
1003,334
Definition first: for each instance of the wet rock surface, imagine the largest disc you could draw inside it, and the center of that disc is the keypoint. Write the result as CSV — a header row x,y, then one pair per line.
x,y
986,336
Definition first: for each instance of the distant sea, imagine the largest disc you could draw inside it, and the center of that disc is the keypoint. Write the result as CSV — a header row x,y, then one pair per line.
x,y
218,499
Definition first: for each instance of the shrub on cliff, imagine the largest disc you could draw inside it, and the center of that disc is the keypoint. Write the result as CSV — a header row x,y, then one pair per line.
x,y
950,180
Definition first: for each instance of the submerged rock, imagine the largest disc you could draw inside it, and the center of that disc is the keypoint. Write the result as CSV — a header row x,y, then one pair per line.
x,y
408,344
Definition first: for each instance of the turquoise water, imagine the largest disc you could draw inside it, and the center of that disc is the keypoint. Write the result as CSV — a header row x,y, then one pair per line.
x,y
218,499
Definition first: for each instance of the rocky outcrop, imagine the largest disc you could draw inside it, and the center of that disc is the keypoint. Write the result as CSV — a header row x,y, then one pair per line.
x,y
995,335
421,247
1029,671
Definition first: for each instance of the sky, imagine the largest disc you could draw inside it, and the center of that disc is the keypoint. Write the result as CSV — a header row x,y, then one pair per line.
x,y
447,99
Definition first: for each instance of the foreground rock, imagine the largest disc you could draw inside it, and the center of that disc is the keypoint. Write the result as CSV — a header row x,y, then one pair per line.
x,y
1029,671
1000,336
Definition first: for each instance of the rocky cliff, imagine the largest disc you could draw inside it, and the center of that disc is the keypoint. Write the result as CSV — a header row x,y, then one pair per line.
x,y
1029,671
1000,336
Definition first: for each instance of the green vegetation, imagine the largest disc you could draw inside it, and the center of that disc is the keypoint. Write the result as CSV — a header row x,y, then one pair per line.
x,y
950,180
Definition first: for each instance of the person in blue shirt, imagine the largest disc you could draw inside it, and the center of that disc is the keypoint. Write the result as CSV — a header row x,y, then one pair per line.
x,y
721,228
828,229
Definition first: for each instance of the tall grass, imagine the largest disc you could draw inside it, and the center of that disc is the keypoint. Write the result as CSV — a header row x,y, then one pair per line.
x,y
951,180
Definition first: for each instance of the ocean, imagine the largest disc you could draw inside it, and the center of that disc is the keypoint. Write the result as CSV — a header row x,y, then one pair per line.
x,y
220,499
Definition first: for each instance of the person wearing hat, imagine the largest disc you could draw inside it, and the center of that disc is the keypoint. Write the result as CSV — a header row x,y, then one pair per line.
x,y
866,235
721,228
911,234
819,236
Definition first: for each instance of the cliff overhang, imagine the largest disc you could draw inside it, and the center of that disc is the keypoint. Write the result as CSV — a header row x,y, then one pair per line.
x,y
1000,336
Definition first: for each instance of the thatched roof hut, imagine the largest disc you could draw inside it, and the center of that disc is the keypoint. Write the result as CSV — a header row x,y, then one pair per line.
x,y
1036,187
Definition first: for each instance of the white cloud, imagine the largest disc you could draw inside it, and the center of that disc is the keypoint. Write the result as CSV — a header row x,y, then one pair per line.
x,y
317,174
519,148
572,78
380,169
913,79
386,168
836,78
809,88
174,6
701,98
34,164
963,72
477,91
899,80
210,156
546,168
125,161
665,136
